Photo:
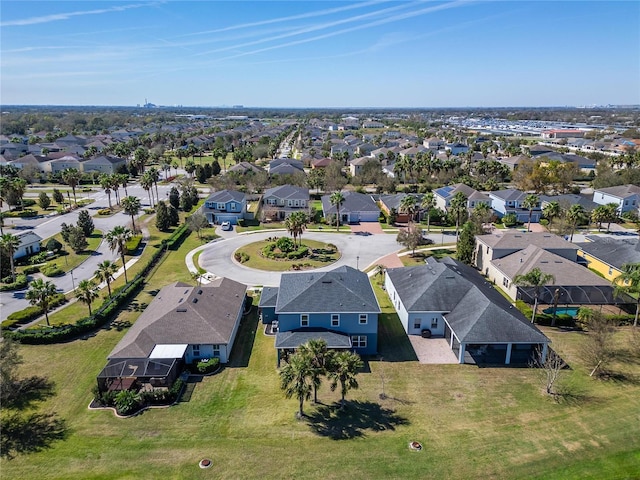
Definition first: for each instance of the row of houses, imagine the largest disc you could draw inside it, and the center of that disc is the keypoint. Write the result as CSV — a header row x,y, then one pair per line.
x,y
58,162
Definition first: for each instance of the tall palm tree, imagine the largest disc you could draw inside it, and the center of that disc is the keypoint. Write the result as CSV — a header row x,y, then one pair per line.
x,y
342,370
458,205
154,173
629,282
337,199
575,215
530,202
408,206
428,202
105,273
294,380
123,178
9,244
105,183
72,177
551,210
316,353
87,292
537,279
40,293
295,224
599,215
146,182
610,214
131,206
117,239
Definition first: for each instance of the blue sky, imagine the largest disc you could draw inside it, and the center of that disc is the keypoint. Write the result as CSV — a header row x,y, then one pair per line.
x,y
320,54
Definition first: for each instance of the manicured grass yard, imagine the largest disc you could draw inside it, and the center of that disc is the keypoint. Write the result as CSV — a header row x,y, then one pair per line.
x,y
473,422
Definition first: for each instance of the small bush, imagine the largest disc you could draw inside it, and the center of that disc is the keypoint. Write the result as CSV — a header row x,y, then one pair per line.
x,y
20,283
133,244
41,257
52,271
149,211
104,211
241,222
207,365
31,269
241,257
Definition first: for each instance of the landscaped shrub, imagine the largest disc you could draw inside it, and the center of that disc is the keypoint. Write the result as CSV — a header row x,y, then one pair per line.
x,y
285,244
127,402
241,257
133,244
27,314
301,252
31,269
20,283
39,258
241,222
52,271
207,365
105,211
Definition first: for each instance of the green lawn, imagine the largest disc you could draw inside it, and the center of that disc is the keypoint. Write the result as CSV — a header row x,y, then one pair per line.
x,y
70,259
473,422
257,261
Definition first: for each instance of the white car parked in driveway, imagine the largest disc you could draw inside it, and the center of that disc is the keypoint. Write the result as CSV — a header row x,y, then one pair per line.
x,y
226,226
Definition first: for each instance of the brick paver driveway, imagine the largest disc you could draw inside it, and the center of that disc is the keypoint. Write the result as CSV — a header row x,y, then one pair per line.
x,y
371,227
432,350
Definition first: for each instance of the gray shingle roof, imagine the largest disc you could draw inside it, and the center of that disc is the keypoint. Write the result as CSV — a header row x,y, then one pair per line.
x,y
509,195
224,196
295,338
184,314
353,202
475,311
268,297
288,192
341,290
621,191
570,199
521,240
613,251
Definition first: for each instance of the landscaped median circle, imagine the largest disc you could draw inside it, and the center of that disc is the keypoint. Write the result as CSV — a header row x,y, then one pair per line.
x,y
281,254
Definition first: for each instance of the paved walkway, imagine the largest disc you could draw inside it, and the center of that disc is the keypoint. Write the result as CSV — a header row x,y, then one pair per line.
x,y
432,350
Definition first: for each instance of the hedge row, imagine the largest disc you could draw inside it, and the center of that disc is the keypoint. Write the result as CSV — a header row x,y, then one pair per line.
x,y
20,283
27,314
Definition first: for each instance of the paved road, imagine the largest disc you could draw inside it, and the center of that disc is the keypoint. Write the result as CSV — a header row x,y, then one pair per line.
x,y
357,252
48,226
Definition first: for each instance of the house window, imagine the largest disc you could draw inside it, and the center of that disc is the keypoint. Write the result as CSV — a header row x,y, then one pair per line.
x,y
335,320
505,282
610,270
271,201
221,206
359,341
304,320
362,319
434,323
216,350
195,350
417,323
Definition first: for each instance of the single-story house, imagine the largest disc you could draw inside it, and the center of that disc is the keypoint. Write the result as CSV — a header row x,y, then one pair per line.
x,y
225,206
357,207
29,244
181,325
337,305
449,299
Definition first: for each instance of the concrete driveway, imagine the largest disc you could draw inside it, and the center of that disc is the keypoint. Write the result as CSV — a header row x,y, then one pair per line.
x,y
433,350
357,252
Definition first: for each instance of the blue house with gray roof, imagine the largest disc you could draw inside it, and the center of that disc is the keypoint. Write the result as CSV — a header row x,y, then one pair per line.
x,y
225,206
338,306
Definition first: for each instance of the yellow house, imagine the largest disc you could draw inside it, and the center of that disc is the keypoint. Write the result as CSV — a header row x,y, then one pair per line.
x,y
607,255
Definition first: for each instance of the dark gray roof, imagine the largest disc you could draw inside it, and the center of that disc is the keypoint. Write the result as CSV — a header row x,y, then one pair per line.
x,y
353,202
224,196
612,251
475,311
621,191
268,297
393,201
288,192
184,314
295,338
570,199
510,194
343,289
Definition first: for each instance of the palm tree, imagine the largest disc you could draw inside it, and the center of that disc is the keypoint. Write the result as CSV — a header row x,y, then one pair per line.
x,y
337,199
530,202
610,214
40,293
458,205
296,224
428,202
379,272
317,355
342,370
72,177
408,206
146,182
117,240
536,278
551,210
105,273
131,206
599,215
123,178
9,244
575,215
629,282
87,293
106,182
155,176
294,380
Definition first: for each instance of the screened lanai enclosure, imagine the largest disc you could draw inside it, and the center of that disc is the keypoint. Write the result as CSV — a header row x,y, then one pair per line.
x,y
137,373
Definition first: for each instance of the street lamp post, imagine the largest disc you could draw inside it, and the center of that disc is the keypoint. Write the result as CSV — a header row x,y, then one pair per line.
x,y
358,262
73,283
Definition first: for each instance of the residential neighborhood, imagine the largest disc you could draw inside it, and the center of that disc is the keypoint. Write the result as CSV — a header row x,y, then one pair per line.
x,y
211,267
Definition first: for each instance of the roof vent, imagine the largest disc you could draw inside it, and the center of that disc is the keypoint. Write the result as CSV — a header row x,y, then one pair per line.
x,y
181,310
195,300
326,281
200,292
